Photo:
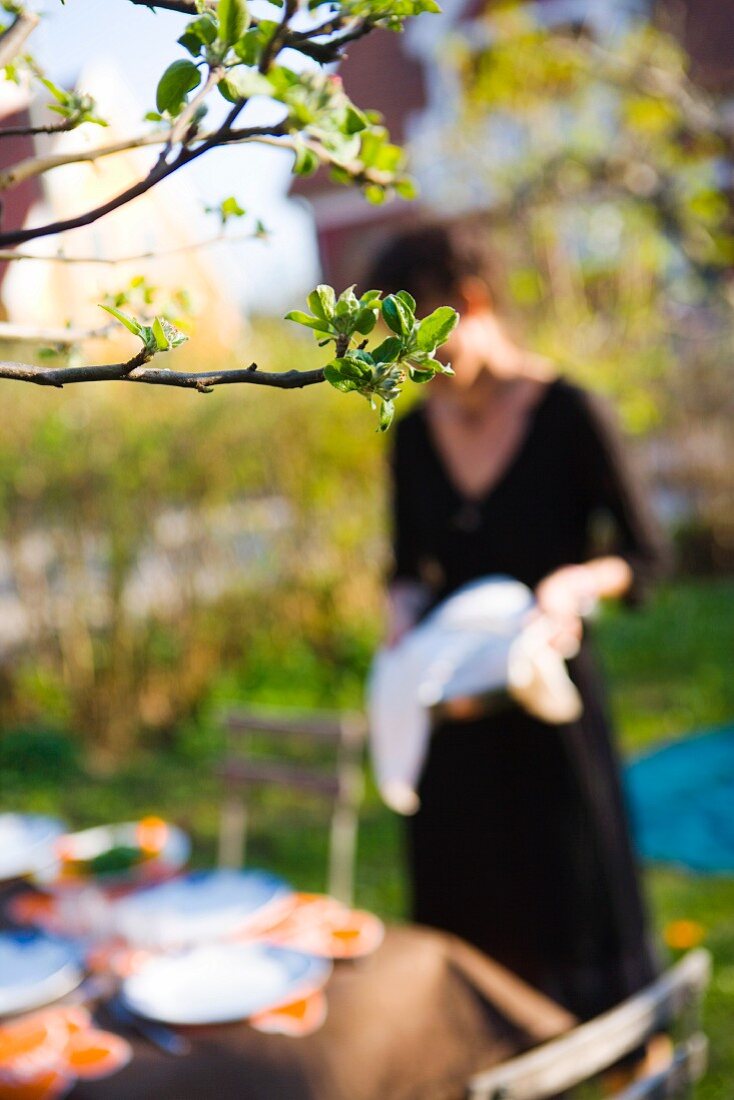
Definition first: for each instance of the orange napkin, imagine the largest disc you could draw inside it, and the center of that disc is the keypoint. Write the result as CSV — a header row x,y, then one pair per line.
x,y
42,1055
321,925
299,1018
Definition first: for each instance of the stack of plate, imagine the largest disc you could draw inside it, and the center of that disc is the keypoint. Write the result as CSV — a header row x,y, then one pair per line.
x,y
26,843
200,907
35,970
84,847
221,982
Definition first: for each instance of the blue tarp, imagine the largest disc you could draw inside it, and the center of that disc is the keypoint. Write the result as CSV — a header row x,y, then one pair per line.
x,y
682,802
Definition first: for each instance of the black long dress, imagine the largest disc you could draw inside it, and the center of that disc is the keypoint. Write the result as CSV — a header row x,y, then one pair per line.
x,y
521,844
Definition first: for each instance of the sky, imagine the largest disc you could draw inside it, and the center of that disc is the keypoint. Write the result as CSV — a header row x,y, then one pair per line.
x,y
141,43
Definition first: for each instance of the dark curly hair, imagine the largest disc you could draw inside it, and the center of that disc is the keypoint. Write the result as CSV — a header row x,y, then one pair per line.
x,y
431,259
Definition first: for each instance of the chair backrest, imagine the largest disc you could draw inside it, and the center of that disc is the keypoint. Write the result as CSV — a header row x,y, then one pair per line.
x,y
340,782
598,1045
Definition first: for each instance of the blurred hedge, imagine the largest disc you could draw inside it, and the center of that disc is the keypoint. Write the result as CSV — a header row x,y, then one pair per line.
x,y
155,542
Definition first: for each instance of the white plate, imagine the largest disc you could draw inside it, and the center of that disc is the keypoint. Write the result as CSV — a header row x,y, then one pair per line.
x,y
26,843
93,842
201,906
221,982
34,971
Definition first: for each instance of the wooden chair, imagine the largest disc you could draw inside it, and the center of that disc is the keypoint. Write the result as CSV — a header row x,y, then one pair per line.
x,y
341,784
670,1003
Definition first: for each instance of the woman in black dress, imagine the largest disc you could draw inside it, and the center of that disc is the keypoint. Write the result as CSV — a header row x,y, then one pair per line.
x,y
521,843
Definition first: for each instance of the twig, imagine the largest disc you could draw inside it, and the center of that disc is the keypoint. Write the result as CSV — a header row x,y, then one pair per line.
x,y
134,371
275,43
36,166
59,337
52,128
185,7
159,172
326,52
14,38
153,254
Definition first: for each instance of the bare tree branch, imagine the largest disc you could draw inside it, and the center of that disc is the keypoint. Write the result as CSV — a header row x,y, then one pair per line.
x,y
185,7
52,128
14,38
135,371
112,261
159,172
329,51
36,166
275,44
155,176
58,337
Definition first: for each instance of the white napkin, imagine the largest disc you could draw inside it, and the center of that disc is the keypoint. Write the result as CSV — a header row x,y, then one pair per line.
x,y
483,638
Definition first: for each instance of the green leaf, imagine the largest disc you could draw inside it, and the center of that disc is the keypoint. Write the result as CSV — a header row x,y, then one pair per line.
x,y
173,335
366,321
387,413
435,329
161,339
354,121
58,93
202,30
178,80
348,298
421,376
149,339
327,298
333,376
125,319
351,367
230,208
191,42
233,19
243,83
250,45
397,316
389,350
407,188
314,304
306,162
407,300
375,194
302,318
370,296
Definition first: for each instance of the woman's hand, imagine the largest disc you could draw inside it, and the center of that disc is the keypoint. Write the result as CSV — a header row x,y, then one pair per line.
x,y
573,591
560,597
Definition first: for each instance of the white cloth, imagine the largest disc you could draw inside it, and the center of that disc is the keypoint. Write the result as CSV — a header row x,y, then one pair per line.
x,y
483,638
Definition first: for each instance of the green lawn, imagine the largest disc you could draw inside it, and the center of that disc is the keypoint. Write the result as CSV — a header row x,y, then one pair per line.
x,y
669,668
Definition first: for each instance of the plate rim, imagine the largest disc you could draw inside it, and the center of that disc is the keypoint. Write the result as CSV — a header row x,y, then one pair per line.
x,y
306,984
69,975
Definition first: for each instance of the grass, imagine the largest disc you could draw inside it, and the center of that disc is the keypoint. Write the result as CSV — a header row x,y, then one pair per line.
x,y
669,671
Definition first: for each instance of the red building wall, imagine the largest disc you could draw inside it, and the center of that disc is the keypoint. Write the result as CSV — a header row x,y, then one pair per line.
x,y
16,201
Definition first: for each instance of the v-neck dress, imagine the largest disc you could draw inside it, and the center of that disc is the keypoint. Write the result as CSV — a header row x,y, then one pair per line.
x,y
521,844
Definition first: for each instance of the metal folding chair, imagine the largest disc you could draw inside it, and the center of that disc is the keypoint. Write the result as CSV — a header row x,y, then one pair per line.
x,y
341,783
671,1003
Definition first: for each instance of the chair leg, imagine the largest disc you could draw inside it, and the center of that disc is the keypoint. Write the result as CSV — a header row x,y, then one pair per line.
x,y
342,854
232,832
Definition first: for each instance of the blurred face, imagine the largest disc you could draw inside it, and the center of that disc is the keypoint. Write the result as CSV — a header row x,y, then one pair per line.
x,y
466,347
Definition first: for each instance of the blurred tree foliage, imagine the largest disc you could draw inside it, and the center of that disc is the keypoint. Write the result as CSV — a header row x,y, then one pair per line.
x,y
159,546
608,179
